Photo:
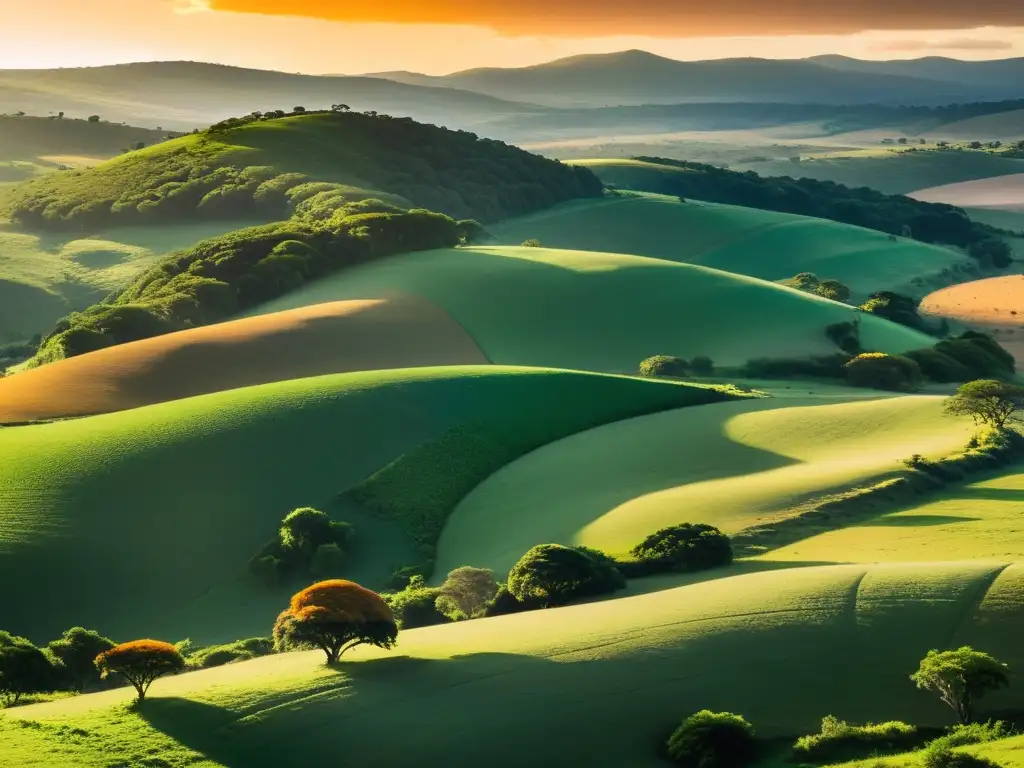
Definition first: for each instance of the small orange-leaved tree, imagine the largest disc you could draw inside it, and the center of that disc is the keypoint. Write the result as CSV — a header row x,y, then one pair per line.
x,y
140,662
335,616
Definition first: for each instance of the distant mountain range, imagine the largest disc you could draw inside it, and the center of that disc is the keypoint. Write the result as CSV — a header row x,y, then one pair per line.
x,y
627,91
633,78
184,95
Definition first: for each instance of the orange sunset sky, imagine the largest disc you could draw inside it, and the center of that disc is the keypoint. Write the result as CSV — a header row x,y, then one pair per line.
x,y
440,36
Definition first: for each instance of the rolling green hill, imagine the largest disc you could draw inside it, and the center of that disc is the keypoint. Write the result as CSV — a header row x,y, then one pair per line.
x,y
270,168
600,684
731,465
748,241
30,137
980,521
105,511
603,311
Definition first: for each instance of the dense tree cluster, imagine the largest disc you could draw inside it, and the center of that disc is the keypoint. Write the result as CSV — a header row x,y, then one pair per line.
x,y
453,172
864,207
808,282
218,278
308,543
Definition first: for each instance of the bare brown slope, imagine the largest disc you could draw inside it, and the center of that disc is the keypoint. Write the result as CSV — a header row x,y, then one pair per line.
x,y
995,305
336,337
1000,193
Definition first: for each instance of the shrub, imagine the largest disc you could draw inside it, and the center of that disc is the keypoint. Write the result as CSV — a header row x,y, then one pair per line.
x,y
531,243
963,734
663,365
328,561
266,569
552,574
938,366
980,354
466,592
77,650
702,366
240,650
504,603
825,367
416,605
846,336
712,740
992,251
308,542
336,616
877,370
140,662
895,307
839,741
685,547
947,758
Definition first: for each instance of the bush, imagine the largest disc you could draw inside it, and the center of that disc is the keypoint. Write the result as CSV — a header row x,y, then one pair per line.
x,y
827,367
328,562
685,547
712,740
962,735
992,251
504,603
938,366
77,650
24,669
309,543
531,243
552,574
663,365
416,605
876,370
240,650
839,741
947,758
846,336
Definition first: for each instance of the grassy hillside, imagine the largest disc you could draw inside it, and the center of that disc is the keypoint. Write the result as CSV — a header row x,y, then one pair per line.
x,y
1004,125
400,332
30,137
45,277
732,465
206,481
764,244
980,521
601,683
895,173
268,169
602,311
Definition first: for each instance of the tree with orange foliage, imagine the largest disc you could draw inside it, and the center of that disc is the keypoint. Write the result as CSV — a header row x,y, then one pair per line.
x,y
335,616
140,662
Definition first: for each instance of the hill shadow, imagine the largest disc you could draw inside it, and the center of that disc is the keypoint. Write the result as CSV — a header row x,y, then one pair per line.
x,y
988,494
915,521
311,726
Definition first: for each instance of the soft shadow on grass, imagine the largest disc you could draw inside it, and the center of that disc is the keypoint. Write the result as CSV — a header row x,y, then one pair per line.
x,y
916,521
987,494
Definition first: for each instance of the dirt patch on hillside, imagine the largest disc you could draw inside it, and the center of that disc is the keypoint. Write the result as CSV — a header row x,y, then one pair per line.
x,y
1004,193
995,306
336,337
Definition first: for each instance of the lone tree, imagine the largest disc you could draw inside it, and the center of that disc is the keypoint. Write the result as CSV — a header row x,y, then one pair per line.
x,y
988,401
140,662
686,547
77,650
712,740
961,677
335,616
466,592
23,669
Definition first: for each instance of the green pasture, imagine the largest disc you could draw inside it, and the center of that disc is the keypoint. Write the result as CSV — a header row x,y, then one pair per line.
x,y
732,465
142,521
598,684
603,311
979,521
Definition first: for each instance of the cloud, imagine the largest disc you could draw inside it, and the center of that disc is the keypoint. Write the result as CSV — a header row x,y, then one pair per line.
x,y
957,44
661,18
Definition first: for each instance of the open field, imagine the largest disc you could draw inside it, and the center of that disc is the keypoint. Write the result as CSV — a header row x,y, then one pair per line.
x,y
603,311
400,332
895,172
44,277
980,521
205,481
1001,126
732,465
995,305
790,638
1001,193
